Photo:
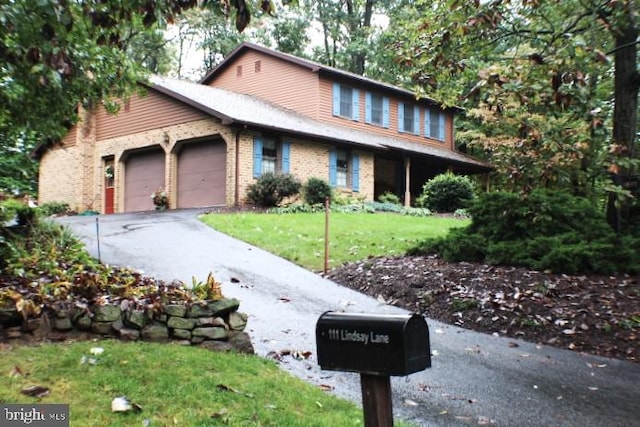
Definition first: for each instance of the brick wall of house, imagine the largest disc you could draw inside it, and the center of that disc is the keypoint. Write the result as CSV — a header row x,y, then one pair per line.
x,y
307,159
60,177
119,147
63,170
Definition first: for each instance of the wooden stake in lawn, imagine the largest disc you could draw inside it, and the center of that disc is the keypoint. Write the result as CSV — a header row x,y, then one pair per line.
x,y
326,235
98,237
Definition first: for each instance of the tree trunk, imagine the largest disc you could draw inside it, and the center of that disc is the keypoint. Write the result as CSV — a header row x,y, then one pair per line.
x,y
625,120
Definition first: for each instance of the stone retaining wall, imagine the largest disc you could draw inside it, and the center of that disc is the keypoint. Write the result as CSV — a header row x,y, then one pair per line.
x,y
216,325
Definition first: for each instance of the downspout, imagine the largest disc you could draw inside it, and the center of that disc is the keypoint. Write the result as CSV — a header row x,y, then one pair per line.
x,y
236,196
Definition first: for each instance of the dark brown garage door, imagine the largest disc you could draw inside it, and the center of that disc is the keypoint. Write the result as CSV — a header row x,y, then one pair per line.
x,y
144,174
202,169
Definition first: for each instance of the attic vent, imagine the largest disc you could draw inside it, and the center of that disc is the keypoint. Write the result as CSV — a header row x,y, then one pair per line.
x,y
239,71
258,66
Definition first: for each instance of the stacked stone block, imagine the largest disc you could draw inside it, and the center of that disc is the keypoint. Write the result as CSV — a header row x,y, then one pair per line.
x,y
216,325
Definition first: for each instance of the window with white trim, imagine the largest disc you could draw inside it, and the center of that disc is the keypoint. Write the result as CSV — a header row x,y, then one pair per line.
x,y
270,155
346,102
434,124
342,168
408,118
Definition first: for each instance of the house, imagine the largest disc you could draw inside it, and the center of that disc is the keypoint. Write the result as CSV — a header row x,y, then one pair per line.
x,y
259,110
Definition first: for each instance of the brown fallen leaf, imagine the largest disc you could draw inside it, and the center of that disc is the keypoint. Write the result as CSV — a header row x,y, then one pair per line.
x,y
35,391
325,387
16,372
224,387
222,413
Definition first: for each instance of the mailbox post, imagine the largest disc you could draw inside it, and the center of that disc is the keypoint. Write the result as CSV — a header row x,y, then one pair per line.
x,y
377,346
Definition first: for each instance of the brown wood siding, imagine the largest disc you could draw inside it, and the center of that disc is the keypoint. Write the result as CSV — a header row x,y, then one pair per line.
x,y
69,140
277,81
326,114
151,111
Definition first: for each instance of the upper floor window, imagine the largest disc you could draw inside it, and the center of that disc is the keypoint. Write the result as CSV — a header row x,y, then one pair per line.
x,y
376,109
434,124
270,155
408,118
344,169
346,102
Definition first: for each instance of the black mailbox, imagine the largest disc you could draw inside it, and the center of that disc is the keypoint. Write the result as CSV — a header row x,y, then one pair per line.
x,y
377,344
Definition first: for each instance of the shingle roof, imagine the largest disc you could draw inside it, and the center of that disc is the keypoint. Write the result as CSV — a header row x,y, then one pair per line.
x,y
235,108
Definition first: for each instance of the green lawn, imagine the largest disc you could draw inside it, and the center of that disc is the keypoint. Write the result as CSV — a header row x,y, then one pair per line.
x,y
175,386
353,236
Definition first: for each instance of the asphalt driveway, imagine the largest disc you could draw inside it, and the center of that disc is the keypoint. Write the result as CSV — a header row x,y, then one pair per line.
x,y
475,379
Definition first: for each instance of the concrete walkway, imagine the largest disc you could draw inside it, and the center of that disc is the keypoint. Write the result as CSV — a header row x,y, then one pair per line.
x,y
476,379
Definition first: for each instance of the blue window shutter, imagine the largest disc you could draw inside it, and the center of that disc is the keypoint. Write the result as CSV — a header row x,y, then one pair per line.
x,y
427,123
355,172
416,120
333,167
257,156
400,116
367,107
286,150
441,126
336,99
385,112
355,94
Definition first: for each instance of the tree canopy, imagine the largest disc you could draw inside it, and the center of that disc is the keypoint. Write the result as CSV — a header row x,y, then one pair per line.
x,y
57,54
551,86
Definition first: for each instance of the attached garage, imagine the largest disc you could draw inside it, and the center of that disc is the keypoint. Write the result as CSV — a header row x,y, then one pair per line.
x,y
202,170
144,174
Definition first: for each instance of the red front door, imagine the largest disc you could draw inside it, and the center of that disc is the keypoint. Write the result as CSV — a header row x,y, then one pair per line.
x,y
109,187
108,200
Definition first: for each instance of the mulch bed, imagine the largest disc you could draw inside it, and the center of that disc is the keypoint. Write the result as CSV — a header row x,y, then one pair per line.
x,y
593,314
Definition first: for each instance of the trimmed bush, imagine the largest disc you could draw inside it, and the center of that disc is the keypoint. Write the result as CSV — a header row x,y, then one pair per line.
x,y
272,188
53,208
446,193
389,197
316,190
545,230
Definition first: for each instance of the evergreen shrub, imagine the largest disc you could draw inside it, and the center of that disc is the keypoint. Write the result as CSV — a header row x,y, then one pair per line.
x,y
545,230
272,188
389,197
446,193
316,190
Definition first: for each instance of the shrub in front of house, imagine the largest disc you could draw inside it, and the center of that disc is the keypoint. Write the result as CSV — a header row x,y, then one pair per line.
x,y
54,208
446,193
389,197
272,188
316,190
545,230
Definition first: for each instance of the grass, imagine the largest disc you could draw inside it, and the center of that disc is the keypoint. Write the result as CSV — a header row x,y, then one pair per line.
x,y
174,385
300,237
